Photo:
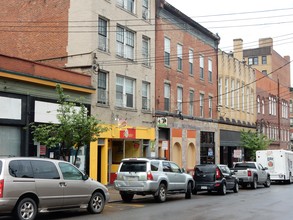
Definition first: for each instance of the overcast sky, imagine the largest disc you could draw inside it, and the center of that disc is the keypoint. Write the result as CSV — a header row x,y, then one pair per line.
x,y
248,20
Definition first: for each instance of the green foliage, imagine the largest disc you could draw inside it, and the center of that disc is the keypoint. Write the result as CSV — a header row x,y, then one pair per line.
x,y
75,128
253,141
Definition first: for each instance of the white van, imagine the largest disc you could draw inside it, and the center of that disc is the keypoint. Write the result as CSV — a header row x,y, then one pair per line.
x,y
278,162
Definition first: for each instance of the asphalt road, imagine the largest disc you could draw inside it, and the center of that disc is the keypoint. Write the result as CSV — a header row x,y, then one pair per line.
x,y
274,203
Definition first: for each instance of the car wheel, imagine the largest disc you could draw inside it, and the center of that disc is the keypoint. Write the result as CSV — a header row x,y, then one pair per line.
x,y
223,189
188,191
236,187
26,209
96,203
194,191
161,194
126,197
268,182
254,183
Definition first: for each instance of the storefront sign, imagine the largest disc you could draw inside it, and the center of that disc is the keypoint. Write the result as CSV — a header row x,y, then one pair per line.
x,y
162,122
128,133
237,154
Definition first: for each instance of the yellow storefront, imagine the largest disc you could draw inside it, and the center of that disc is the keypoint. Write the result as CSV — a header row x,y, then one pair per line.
x,y
114,145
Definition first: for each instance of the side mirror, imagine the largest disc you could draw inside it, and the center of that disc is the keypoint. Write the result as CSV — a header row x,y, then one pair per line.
x,y
183,170
85,177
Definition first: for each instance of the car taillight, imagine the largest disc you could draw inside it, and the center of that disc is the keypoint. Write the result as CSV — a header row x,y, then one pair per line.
x,y
218,174
1,188
249,173
150,176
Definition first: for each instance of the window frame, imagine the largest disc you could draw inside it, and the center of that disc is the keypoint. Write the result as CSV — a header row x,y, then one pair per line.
x,y
127,96
167,51
167,96
145,95
125,46
201,67
103,40
179,98
179,57
146,50
103,87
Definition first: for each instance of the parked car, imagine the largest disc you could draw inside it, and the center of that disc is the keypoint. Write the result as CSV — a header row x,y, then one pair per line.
x,y
143,176
212,177
252,173
32,185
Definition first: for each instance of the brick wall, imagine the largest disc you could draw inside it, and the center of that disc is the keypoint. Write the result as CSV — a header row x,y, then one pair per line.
x,y
34,29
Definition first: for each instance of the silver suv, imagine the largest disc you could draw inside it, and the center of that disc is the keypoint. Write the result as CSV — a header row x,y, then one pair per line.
x,y
144,176
32,185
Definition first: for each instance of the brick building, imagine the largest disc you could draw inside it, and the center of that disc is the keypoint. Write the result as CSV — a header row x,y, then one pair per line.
x,y
273,90
186,88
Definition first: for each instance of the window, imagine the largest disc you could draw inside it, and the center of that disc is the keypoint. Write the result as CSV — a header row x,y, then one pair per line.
x,y
210,66
126,4
21,169
44,170
179,57
238,95
264,59
191,62
263,106
125,43
179,98
191,101
201,104
252,100
247,99
145,9
125,92
291,106
242,95
69,172
103,88
167,90
270,105
210,106
220,92
232,93
145,50
145,95
258,105
103,34
167,50
201,66
227,92
253,61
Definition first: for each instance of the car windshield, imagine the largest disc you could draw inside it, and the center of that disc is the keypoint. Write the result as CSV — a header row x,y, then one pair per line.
x,y
137,166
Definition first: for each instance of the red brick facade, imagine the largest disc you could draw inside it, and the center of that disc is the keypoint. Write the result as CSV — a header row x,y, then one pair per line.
x,y
34,29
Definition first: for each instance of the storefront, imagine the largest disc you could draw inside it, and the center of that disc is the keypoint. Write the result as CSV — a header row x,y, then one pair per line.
x,y
116,144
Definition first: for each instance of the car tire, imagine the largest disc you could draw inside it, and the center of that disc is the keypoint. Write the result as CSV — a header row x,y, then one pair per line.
x,y
194,191
161,193
26,209
126,197
268,182
188,191
96,203
223,189
254,183
236,187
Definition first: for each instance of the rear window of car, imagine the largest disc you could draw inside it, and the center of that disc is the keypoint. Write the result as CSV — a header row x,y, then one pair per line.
x,y
245,165
205,169
155,165
138,166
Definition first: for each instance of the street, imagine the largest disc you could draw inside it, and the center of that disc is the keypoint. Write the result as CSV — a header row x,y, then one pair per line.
x,y
261,204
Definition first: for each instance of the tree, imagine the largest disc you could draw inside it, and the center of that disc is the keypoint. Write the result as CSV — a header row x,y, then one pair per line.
x,y
253,141
75,128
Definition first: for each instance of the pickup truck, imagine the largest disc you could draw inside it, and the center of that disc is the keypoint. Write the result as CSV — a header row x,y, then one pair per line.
x,y
251,173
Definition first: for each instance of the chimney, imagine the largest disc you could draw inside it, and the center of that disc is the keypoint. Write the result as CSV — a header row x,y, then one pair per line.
x,y
238,49
265,42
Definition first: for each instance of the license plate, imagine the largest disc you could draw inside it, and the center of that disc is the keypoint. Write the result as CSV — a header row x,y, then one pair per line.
x,y
132,178
204,187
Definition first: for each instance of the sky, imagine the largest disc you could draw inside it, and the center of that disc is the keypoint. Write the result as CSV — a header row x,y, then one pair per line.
x,y
249,20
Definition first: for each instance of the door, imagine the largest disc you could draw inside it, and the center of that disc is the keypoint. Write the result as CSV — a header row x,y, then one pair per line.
x,y
76,190
230,181
48,184
179,177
